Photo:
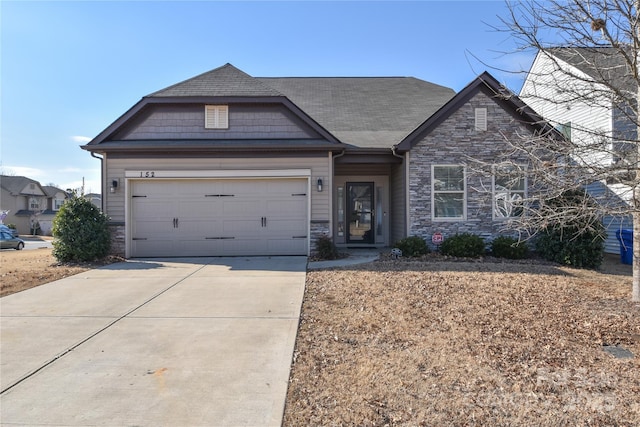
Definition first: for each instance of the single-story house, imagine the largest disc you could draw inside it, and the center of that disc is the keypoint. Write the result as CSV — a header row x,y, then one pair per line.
x,y
229,164
29,204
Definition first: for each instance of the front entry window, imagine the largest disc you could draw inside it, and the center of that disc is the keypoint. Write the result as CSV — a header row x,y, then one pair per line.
x,y
360,212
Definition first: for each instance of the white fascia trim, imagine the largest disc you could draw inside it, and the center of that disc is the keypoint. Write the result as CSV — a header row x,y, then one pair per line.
x,y
257,173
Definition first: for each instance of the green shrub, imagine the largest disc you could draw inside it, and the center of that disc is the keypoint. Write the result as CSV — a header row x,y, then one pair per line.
x,y
509,247
578,242
80,232
569,247
412,246
463,245
326,249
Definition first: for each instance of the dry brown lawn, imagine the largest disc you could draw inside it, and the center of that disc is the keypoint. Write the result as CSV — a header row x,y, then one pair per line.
x,y
20,270
431,343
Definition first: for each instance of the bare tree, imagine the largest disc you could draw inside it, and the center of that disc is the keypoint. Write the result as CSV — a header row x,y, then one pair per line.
x,y
588,58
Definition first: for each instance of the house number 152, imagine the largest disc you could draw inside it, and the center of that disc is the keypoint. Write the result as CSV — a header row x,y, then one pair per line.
x,y
147,174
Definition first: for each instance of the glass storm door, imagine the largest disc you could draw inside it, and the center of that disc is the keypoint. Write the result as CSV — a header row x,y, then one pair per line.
x,y
360,212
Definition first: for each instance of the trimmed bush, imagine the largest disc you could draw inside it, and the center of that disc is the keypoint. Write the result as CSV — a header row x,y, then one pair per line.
x,y
509,247
326,249
566,246
578,243
463,245
412,246
81,232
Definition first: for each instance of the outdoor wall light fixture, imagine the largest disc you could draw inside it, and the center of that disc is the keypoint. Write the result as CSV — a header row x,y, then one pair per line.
x,y
114,185
319,185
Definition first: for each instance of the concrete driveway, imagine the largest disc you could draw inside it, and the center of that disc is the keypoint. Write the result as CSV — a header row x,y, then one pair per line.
x,y
188,342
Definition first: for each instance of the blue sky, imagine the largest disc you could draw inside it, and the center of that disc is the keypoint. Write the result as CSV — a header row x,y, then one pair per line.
x,y
69,69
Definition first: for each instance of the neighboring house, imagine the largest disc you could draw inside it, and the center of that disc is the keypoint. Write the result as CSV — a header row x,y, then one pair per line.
x,y
29,203
229,164
94,198
55,198
587,120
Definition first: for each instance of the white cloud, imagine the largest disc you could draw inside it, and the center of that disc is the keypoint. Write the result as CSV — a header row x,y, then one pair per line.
x,y
83,139
32,173
76,170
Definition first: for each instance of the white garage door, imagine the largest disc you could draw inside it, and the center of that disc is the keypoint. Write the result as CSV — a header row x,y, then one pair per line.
x,y
219,217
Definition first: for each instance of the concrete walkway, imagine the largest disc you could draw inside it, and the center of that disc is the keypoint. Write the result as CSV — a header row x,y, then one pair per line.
x,y
356,256
188,342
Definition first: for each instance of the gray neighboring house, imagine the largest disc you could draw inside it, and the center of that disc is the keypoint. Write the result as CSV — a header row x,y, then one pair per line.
x,y
588,118
28,202
94,198
229,164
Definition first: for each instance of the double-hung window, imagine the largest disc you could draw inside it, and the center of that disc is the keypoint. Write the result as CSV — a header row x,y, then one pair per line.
x,y
509,192
57,204
448,187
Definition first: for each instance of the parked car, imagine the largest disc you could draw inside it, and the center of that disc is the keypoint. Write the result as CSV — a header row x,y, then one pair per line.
x,y
8,241
12,231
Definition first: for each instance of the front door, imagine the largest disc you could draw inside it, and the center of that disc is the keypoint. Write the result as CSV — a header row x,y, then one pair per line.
x,y
360,212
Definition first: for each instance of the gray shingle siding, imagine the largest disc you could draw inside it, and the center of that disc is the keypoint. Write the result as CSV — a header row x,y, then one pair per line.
x,y
245,122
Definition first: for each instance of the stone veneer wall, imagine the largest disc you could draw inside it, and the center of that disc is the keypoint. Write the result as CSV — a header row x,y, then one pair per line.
x,y
318,229
117,239
456,142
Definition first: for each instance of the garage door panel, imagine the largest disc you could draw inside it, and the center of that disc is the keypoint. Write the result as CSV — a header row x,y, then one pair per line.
x,y
198,228
247,246
243,208
198,247
287,246
286,227
149,228
218,217
153,248
197,209
285,207
152,208
242,228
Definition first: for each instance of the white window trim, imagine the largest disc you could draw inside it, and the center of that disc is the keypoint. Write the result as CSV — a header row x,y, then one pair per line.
x,y
481,119
493,196
463,192
216,117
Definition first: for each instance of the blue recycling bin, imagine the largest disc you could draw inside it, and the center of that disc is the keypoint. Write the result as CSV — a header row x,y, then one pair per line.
x,y
625,237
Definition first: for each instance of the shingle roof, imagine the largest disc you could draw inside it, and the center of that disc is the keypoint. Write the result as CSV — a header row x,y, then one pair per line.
x,y
600,63
367,112
51,191
15,184
222,81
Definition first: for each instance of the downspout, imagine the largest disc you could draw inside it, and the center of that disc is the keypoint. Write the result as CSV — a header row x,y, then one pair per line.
x,y
405,161
102,198
331,174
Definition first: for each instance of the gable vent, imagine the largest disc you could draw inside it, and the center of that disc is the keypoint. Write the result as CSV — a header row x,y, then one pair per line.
x,y
216,116
481,119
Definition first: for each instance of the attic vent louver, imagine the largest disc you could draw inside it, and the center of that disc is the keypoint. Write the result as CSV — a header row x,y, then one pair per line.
x,y
216,116
481,119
